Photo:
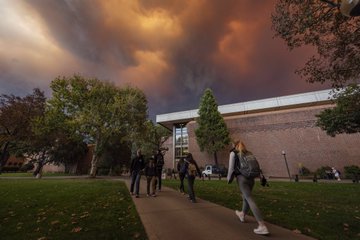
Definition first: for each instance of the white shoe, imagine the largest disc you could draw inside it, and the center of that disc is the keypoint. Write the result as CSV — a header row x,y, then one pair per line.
x,y
261,230
240,215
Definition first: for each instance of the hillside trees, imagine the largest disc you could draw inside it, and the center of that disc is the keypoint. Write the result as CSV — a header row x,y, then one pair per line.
x,y
336,38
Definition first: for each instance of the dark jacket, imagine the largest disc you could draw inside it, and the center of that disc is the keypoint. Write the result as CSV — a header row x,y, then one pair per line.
x,y
137,164
150,169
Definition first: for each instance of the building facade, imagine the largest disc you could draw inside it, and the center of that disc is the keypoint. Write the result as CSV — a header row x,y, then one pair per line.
x,y
279,131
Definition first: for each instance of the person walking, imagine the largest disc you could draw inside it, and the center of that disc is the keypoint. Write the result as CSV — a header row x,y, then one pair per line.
x,y
150,173
246,186
182,169
192,171
159,160
137,164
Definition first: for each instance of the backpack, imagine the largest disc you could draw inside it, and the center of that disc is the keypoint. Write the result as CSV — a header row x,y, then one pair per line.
x,y
183,168
192,169
159,161
246,165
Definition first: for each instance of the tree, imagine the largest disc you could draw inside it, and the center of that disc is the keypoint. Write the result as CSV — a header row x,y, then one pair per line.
x,y
212,134
345,117
99,110
16,115
335,37
154,137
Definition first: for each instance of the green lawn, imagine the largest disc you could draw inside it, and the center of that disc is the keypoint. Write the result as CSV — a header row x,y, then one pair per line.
x,y
67,209
321,210
28,174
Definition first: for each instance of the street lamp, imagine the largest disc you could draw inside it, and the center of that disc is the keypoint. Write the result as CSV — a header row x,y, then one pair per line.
x,y
287,167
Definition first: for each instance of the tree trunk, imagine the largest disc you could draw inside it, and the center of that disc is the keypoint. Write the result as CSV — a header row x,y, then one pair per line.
x,y
4,156
215,158
38,171
93,168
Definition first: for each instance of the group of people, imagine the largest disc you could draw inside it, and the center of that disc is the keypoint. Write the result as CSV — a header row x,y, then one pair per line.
x,y
189,169
152,170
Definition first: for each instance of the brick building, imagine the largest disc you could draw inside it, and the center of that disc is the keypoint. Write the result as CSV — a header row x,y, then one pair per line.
x,y
269,128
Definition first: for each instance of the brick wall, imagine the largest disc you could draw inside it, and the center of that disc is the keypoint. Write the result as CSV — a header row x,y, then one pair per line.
x,y
266,134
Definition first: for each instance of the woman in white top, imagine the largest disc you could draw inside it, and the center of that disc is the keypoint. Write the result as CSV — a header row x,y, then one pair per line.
x,y
246,185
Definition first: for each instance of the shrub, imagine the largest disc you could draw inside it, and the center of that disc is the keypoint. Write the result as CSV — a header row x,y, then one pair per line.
x,y
305,171
324,172
352,171
27,167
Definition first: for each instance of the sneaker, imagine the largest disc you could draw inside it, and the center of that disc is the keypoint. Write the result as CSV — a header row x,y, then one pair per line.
x,y
148,195
240,215
153,195
261,230
137,196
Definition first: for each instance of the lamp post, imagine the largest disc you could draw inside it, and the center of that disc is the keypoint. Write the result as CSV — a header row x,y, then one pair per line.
x,y
287,167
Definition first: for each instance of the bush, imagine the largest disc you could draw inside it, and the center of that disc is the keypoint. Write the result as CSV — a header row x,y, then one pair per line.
x,y
10,169
324,172
305,171
352,171
27,167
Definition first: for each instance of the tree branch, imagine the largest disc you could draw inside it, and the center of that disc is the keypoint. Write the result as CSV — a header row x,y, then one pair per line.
x,y
331,3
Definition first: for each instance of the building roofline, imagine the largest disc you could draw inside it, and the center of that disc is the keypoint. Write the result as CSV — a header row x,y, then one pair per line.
x,y
269,104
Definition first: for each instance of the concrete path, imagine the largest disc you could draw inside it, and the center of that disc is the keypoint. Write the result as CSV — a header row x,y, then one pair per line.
x,y
171,216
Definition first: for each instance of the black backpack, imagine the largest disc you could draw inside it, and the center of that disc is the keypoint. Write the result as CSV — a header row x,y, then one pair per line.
x,y
246,165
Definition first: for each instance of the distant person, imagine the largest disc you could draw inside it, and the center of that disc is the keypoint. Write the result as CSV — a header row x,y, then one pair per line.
x,y
192,171
182,168
246,185
137,164
159,160
336,173
150,173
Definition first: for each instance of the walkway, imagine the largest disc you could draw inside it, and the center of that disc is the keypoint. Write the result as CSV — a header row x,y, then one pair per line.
x,y
171,216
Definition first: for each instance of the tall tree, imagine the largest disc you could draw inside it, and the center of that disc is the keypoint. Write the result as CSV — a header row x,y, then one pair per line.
x,y
212,133
99,110
16,115
335,37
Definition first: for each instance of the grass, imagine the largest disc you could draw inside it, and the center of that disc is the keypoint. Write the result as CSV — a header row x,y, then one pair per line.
x,y
29,174
67,209
322,210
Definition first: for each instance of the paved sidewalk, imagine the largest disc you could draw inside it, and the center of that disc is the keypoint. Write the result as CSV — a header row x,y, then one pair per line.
x,y
171,216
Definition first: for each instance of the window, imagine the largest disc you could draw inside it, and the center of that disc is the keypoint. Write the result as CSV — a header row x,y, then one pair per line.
x,y
181,141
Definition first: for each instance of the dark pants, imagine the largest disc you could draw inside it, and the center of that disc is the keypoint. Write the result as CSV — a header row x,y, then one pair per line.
x,y
150,180
159,173
182,176
191,181
135,180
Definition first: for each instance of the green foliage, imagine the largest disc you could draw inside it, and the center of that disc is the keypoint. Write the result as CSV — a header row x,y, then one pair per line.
x,y
99,111
335,37
153,138
67,209
352,171
305,171
16,116
322,171
337,41
345,117
211,133
321,210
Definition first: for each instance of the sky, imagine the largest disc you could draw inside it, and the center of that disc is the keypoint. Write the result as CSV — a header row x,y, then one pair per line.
x,y
170,49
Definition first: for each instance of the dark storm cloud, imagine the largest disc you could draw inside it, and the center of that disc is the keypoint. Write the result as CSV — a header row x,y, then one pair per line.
x,y
173,50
